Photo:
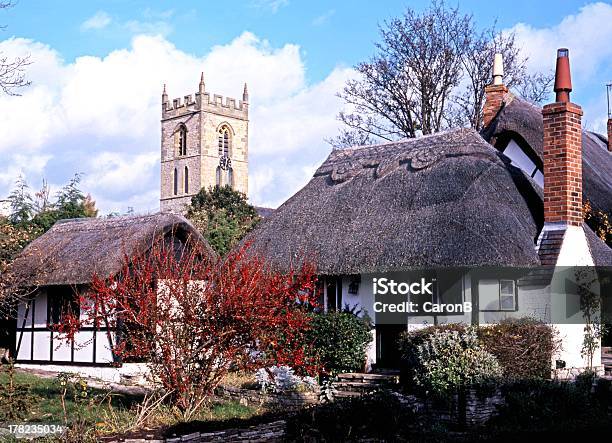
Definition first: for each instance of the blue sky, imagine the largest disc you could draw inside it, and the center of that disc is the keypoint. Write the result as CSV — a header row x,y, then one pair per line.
x,y
99,66
328,32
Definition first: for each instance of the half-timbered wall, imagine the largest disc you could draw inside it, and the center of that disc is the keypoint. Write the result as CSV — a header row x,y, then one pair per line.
x,y
37,343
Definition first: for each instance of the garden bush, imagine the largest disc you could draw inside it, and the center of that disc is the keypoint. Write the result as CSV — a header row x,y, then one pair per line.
x,y
524,347
340,340
447,360
408,345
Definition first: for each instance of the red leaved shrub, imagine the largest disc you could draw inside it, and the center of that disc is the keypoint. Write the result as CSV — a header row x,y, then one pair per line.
x,y
192,316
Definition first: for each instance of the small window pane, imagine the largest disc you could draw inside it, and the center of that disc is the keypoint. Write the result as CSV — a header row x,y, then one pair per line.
x,y
539,178
507,302
488,291
506,287
519,158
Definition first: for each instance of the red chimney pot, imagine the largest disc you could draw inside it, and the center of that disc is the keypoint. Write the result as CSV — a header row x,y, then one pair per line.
x,y
563,78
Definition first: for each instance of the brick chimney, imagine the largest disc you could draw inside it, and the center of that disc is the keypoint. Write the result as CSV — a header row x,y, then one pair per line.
x,y
562,151
610,134
495,92
562,241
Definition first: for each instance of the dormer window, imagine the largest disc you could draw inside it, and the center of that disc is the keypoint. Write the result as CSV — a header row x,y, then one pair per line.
x,y
181,140
522,160
225,139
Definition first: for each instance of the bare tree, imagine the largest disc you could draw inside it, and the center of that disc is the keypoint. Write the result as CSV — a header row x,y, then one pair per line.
x,y
536,87
12,75
468,101
429,72
406,86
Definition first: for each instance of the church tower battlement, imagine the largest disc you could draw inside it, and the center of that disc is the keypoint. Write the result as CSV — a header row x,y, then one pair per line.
x,y
204,142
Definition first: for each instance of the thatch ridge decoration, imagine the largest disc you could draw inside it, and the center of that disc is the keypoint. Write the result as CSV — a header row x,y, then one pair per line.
x,y
449,199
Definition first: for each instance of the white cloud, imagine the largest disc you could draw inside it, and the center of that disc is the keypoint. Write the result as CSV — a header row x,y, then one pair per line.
x,y
100,116
99,20
323,18
587,34
272,5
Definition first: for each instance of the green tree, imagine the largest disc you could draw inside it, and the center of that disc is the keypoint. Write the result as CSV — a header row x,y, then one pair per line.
x,y
31,216
21,202
70,202
223,216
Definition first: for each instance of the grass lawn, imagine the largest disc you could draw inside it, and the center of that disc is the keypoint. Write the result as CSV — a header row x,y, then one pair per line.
x,y
109,413
47,393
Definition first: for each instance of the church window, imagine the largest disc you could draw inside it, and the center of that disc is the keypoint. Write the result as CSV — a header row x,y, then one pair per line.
x,y
186,180
182,140
175,181
218,181
224,141
230,178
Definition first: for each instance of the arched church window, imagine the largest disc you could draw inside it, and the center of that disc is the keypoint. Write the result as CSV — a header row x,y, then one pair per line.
x,y
230,177
175,182
181,140
218,178
186,180
225,140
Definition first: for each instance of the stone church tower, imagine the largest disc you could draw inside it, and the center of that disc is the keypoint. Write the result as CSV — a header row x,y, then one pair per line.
x,y
204,142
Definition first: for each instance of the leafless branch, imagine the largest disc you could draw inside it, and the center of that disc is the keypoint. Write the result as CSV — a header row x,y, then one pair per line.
x,y
12,71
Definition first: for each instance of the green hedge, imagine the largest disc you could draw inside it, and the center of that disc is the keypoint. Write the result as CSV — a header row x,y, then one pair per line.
x,y
340,340
524,347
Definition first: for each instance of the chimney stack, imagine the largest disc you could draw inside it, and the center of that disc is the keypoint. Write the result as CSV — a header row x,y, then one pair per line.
x,y
495,92
608,92
610,134
562,151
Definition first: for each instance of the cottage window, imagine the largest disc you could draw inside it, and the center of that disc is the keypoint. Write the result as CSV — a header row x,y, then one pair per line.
x,y
186,180
181,141
497,295
224,141
522,160
61,305
353,287
334,294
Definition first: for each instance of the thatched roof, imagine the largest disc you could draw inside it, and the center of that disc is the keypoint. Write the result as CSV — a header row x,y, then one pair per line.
x,y
72,251
601,253
264,212
449,199
522,118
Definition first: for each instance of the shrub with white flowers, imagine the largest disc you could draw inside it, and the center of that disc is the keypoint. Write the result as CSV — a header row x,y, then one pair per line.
x,y
449,360
279,379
